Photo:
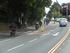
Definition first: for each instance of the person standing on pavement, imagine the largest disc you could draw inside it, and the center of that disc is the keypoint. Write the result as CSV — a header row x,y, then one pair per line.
x,y
25,23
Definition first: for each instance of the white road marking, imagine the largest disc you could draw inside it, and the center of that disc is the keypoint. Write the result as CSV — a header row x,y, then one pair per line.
x,y
15,47
32,32
48,33
36,31
5,40
28,32
43,35
56,34
33,40
52,30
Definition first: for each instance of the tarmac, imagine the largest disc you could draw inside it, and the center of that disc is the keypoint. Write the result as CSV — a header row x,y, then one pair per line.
x,y
64,48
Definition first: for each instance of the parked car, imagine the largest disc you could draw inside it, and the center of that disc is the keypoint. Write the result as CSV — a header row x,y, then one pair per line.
x,y
63,22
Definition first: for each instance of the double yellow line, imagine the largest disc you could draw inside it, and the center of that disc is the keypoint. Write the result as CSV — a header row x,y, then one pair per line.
x,y
60,42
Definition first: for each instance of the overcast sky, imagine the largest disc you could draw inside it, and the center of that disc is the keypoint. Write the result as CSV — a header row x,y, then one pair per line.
x,y
59,1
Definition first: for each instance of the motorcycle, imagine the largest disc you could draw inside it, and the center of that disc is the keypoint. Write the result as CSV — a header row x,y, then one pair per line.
x,y
12,32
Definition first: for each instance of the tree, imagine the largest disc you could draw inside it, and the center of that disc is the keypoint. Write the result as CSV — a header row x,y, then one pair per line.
x,y
32,10
55,11
38,9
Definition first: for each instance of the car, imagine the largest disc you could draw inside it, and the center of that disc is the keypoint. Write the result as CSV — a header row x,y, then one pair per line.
x,y
52,19
63,22
57,19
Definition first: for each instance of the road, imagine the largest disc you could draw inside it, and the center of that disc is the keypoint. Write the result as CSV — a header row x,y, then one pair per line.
x,y
33,41
65,46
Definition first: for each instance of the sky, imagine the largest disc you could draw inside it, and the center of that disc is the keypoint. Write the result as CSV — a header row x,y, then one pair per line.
x,y
59,1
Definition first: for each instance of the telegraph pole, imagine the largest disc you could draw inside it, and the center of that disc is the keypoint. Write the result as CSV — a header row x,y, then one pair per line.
x,y
56,1
67,10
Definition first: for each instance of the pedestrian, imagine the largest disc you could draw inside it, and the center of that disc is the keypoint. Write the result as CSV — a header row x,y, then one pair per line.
x,y
25,23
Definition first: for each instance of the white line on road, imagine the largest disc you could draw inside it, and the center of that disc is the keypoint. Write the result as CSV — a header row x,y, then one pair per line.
x,y
15,47
5,40
36,31
28,32
33,40
56,34
48,33
43,35
32,32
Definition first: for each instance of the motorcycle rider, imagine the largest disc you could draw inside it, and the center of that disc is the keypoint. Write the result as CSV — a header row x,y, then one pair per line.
x,y
37,25
12,29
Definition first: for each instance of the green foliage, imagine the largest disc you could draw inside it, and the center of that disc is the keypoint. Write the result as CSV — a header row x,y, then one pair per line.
x,y
33,10
55,11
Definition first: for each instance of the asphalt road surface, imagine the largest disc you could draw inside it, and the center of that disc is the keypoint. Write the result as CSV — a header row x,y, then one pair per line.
x,y
33,41
65,46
